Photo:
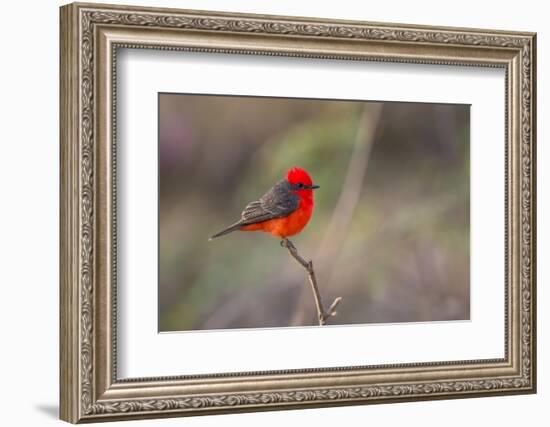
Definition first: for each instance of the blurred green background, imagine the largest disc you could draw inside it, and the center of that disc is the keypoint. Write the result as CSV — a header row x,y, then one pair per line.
x,y
390,229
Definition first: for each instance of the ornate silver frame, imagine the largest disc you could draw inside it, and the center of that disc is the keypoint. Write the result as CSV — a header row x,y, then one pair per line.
x,y
90,36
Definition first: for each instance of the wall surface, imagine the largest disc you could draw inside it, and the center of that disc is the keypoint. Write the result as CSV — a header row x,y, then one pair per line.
x,y
29,170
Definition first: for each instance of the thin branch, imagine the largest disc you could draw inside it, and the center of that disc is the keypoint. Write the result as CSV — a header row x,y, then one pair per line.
x,y
350,193
308,265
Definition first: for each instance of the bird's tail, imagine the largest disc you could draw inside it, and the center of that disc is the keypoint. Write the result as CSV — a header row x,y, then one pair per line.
x,y
227,230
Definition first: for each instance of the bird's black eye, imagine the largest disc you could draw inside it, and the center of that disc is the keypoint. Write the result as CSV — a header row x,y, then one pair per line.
x,y
300,185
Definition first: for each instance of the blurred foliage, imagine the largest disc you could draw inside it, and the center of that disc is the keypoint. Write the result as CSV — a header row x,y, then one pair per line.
x,y
405,254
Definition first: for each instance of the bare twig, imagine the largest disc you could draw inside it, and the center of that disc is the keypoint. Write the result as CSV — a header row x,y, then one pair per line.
x,y
350,193
308,265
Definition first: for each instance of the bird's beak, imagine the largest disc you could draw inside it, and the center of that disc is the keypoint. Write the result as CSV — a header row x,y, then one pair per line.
x,y
315,187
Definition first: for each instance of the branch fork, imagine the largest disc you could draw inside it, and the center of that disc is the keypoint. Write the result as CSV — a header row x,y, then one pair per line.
x,y
308,265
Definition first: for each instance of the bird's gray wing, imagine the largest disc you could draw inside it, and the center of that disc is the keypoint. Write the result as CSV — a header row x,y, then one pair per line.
x,y
278,202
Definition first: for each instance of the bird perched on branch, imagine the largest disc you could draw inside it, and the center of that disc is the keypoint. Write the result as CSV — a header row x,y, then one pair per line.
x,y
283,211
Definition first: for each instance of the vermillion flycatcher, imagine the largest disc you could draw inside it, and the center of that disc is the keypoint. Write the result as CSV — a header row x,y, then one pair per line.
x,y
283,211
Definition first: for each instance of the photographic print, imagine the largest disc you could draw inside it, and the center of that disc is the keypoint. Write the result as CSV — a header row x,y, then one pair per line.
x,y
375,194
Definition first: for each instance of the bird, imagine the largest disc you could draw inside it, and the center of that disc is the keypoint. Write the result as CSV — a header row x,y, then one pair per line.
x,y
283,211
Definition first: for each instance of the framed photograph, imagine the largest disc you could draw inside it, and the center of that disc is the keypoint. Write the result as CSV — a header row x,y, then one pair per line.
x,y
265,212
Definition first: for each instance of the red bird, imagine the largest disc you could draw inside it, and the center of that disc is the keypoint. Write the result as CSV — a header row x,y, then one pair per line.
x,y
283,211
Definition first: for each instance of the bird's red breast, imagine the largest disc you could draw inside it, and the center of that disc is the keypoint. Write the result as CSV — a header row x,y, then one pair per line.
x,y
287,226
